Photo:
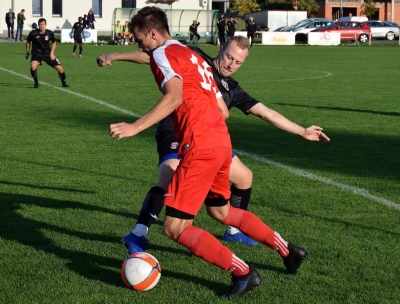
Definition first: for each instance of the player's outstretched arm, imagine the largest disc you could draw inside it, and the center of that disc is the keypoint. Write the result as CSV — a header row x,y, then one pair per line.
x,y
166,105
135,56
313,133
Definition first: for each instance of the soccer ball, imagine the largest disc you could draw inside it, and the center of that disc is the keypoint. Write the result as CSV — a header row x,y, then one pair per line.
x,y
141,271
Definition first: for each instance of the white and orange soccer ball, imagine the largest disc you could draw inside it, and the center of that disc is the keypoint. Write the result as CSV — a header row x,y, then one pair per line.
x,y
141,271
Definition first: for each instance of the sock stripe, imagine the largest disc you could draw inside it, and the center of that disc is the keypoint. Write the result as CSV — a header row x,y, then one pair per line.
x,y
281,244
239,263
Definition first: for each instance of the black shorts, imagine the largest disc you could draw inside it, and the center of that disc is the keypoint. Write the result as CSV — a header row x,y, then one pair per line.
x,y
52,63
167,145
78,39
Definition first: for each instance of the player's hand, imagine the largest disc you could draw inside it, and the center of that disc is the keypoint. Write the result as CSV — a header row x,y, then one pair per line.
x,y
104,60
123,129
315,133
52,56
27,55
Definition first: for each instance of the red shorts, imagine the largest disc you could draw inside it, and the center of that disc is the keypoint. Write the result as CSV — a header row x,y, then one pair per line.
x,y
200,175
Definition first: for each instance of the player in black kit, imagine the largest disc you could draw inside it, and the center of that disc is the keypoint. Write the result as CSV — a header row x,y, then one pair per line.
x,y
78,30
193,31
230,58
41,51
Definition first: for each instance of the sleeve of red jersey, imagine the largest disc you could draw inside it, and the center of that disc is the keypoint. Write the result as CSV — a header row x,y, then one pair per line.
x,y
167,64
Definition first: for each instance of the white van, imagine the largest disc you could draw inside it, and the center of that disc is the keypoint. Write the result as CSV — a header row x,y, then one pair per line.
x,y
353,18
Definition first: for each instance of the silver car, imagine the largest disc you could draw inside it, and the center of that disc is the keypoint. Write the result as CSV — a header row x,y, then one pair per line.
x,y
383,29
303,30
298,24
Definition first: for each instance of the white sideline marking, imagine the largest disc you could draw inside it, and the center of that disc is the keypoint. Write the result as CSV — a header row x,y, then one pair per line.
x,y
103,103
357,191
354,190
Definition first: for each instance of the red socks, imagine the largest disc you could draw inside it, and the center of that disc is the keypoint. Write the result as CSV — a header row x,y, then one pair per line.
x,y
254,228
204,245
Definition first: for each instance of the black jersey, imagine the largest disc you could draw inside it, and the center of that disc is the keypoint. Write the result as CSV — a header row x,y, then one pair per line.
x,y
251,27
193,27
221,25
231,26
41,42
78,29
232,93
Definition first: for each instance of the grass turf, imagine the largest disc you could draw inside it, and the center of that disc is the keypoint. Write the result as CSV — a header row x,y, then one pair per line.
x,y
68,192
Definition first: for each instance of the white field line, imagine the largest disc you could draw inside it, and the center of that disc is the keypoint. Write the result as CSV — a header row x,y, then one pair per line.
x,y
324,74
103,103
354,190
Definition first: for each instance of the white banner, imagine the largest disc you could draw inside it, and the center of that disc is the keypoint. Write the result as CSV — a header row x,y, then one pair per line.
x,y
279,38
323,38
273,38
90,35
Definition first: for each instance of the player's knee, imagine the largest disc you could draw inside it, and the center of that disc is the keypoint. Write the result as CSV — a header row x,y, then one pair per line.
x,y
244,179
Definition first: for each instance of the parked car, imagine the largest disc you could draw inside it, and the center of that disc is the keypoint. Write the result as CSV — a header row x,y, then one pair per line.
x,y
349,30
298,24
353,18
383,29
304,29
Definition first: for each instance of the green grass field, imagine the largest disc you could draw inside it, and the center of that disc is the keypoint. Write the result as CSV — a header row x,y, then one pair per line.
x,y
68,192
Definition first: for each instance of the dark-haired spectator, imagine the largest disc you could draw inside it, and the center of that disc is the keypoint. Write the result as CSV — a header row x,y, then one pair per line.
x,y
20,25
221,29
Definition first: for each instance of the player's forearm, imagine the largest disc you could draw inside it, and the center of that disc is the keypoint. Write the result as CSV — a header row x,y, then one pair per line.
x,y
276,119
135,57
164,107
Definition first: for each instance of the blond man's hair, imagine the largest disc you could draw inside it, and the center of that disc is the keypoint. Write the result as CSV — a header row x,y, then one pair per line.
x,y
240,41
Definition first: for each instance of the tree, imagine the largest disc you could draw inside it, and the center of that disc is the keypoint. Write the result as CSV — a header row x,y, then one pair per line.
x,y
308,5
243,7
368,8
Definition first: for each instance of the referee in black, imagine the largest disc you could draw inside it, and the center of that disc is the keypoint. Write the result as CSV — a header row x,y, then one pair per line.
x,y
78,31
41,51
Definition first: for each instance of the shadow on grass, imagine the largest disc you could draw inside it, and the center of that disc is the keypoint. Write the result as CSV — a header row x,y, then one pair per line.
x,y
29,232
340,109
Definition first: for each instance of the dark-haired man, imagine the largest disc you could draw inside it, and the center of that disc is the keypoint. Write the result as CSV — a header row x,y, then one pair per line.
x,y
41,51
77,32
221,29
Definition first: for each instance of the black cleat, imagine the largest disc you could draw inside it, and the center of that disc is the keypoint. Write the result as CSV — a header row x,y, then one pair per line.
x,y
296,256
65,85
242,284
36,85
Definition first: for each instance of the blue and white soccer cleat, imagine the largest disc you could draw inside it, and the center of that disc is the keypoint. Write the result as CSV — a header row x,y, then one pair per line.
x,y
135,243
239,237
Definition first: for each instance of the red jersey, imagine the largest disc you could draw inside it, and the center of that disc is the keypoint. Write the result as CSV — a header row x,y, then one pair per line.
x,y
198,123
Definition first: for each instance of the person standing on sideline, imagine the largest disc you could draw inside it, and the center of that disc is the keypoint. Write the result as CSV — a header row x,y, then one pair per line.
x,y
84,21
90,19
205,152
10,17
20,25
251,29
40,39
78,31
193,31
221,29
230,27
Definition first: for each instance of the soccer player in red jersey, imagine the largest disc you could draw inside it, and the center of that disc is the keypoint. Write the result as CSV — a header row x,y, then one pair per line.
x,y
190,94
